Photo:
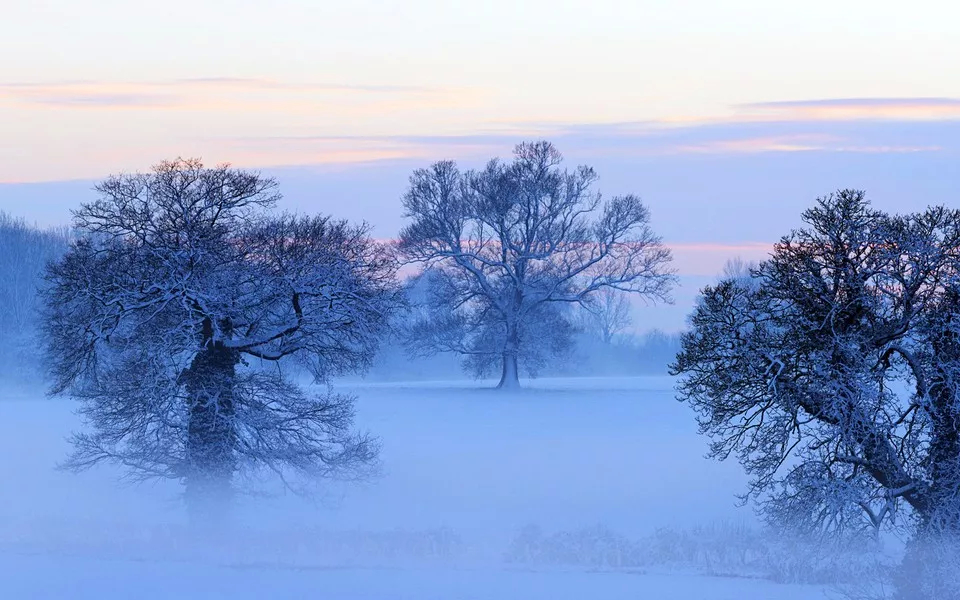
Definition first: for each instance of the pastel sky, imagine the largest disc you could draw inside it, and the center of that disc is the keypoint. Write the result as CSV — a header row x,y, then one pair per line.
x,y
728,117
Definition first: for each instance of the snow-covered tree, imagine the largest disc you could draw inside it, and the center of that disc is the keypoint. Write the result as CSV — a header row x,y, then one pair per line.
x,y
512,247
172,314
832,371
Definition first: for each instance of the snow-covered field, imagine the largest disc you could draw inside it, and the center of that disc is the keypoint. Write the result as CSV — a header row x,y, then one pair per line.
x,y
464,471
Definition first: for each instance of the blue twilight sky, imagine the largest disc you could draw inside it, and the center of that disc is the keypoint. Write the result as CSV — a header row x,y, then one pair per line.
x,y
728,117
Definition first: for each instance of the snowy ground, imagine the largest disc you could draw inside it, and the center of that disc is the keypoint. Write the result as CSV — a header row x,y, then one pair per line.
x,y
475,463
82,578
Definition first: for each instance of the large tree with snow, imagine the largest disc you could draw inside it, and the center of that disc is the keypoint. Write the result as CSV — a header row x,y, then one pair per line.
x,y
172,313
512,247
832,369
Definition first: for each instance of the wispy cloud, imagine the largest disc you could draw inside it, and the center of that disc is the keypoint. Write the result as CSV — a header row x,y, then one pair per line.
x,y
270,122
100,100
271,84
795,143
187,93
751,145
860,102
708,259
82,94
846,109
641,139
346,149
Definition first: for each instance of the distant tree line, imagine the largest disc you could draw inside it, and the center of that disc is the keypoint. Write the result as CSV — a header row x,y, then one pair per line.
x,y
597,335
629,354
24,253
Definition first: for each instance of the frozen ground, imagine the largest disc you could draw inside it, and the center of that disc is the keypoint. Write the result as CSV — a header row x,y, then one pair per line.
x,y
474,464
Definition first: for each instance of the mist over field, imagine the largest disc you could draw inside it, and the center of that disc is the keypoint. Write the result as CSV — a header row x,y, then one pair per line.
x,y
609,509
501,300
589,480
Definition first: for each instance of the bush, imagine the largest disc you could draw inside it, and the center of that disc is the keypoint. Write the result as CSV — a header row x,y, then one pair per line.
x,y
722,549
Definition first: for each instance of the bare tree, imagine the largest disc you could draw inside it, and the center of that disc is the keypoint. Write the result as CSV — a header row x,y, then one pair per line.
x,y
606,314
513,246
737,268
165,316
832,370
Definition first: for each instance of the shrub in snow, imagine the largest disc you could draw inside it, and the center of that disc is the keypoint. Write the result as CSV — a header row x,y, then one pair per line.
x,y
723,549
596,547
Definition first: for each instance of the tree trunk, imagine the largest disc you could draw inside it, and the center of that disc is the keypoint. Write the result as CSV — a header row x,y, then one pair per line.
x,y
944,411
944,491
929,570
510,375
211,439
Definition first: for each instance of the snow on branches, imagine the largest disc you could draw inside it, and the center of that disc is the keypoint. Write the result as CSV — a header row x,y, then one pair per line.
x,y
831,370
512,246
172,312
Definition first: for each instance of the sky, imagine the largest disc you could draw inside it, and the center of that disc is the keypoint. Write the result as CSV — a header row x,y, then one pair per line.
x,y
727,118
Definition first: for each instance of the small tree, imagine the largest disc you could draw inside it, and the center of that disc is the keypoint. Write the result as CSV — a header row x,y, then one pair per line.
x,y
831,370
605,315
513,246
737,268
166,313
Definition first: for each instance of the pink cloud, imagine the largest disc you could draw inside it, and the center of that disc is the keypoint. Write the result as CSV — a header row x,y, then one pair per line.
x,y
790,143
793,143
709,258
214,93
703,259
901,109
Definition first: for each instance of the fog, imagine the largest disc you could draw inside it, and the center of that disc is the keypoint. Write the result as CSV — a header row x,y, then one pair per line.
x,y
590,481
465,471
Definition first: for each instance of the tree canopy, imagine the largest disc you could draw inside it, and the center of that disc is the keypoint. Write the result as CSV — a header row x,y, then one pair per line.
x,y
172,315
831,370
510,248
